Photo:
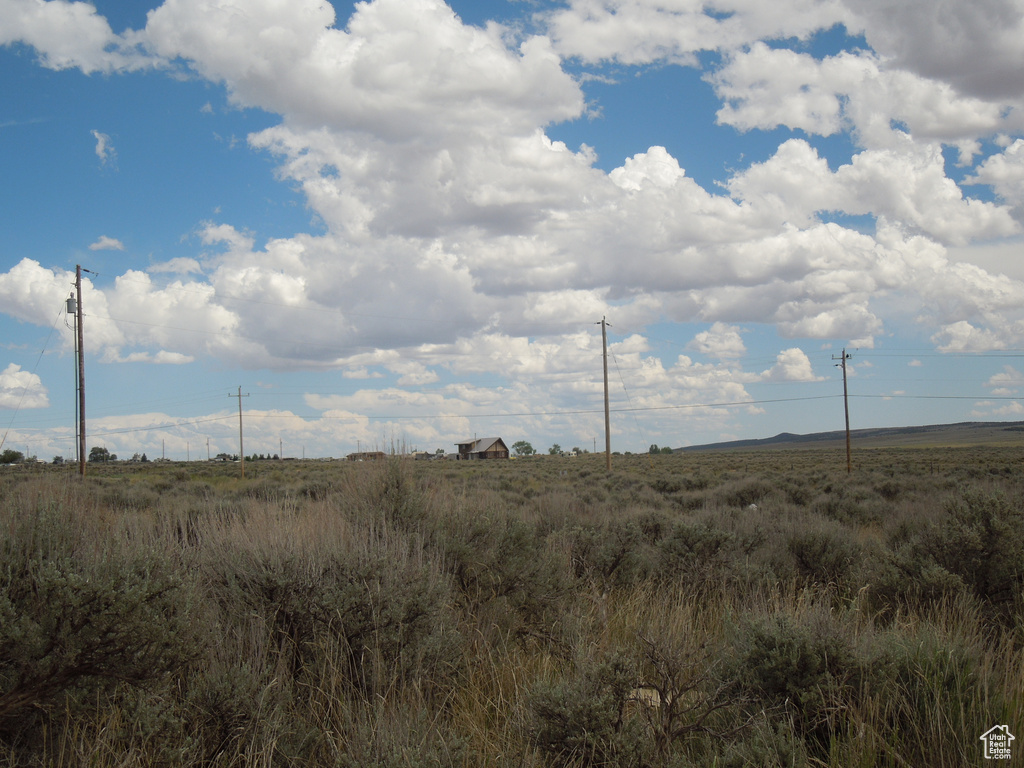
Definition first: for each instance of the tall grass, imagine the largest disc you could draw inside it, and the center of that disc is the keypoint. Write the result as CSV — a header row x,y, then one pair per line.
x,y
675,612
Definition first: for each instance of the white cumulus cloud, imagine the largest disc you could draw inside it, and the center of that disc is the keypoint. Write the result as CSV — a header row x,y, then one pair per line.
x,y
105,243
21,389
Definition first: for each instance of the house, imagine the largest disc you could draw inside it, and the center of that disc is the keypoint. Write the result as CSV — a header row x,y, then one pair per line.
x,y
425,455
484,448
366,456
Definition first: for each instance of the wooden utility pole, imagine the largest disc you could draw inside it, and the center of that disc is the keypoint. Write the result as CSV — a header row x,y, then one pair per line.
x,y
241,445
846,407
81,371
607,416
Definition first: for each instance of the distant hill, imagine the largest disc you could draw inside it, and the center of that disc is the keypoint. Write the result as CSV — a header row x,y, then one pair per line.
x,y
935,435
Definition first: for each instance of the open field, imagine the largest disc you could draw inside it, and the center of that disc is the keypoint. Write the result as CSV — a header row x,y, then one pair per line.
x,y
696,609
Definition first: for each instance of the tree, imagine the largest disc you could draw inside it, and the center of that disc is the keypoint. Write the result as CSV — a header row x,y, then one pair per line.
x,y
654,449
11,456
666,449
555,450
523,448
99,453
58,460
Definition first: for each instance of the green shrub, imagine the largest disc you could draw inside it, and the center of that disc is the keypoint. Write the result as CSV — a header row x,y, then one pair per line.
x,y
982,542
976,546
508,579
769,743
823,554
81,613
581,720
890,489
851,508
224,703
381,615
804,668
798,493
392,492
743,493
616,555
697,552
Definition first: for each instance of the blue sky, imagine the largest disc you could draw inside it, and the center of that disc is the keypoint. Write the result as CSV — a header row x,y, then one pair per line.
x,y
401,221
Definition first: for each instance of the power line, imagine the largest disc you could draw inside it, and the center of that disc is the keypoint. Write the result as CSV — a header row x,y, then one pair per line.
x,y
1012,353
569,412
525,414
938,397
171,425
643,438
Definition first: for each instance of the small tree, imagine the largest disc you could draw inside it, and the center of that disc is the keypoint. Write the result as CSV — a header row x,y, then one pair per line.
x,y
654,448
11,456
555,449
523,448
99,453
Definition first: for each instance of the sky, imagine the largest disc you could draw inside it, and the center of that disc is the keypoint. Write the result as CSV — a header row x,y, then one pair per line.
x,y
400,223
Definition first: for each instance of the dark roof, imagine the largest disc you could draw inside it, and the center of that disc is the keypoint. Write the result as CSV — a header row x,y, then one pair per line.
x,y
480,445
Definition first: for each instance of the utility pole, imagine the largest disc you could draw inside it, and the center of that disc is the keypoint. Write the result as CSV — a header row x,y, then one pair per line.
x,y
81,371
846,406
607,416
241,446
71,308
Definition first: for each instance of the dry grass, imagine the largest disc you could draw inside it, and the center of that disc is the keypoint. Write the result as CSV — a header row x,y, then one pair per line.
x,y
770,609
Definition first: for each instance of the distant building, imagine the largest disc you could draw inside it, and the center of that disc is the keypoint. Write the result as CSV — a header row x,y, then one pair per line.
x,y
366,456
484,448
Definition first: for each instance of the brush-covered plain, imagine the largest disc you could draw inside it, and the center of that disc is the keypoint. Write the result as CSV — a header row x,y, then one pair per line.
x,y
714,609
